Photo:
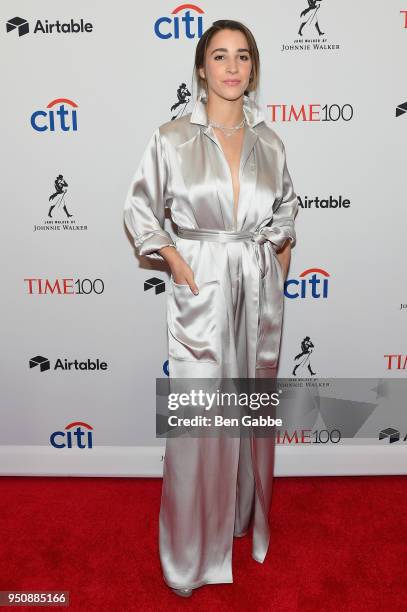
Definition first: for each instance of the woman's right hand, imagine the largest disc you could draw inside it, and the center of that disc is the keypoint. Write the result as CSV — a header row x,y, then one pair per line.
x,y
181,272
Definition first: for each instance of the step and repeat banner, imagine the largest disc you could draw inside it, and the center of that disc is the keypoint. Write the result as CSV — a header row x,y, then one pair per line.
x,y
84,85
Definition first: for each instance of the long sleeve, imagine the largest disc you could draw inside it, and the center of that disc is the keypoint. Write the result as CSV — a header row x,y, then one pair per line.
x,y
144,210
282,224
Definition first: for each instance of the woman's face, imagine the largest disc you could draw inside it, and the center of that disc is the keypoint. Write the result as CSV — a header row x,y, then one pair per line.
x,y
227,64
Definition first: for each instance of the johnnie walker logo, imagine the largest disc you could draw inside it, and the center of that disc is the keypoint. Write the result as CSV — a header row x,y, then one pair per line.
x,y
302,361
310,29
183,98
59,217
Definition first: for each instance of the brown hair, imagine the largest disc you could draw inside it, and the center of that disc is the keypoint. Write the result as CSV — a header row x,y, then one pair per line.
x,y
200,52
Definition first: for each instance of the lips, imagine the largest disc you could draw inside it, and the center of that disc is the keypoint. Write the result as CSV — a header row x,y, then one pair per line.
x,y
232,82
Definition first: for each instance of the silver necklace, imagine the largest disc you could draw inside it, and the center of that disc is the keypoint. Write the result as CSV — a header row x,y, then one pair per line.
x,y
228,131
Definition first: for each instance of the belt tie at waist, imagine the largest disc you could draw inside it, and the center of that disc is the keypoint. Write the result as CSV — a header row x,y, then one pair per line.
x,y
259,237
266,301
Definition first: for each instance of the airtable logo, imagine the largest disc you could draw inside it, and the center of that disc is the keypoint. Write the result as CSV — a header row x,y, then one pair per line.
x,y
401,109
56,119
391,435
66,365
48,27
71,439
330,202
176,26
19,24
310,285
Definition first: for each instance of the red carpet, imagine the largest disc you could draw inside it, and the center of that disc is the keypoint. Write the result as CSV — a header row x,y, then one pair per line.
x,y
338,544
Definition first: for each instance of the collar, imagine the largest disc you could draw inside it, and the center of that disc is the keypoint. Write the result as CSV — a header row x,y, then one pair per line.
x,y
251,111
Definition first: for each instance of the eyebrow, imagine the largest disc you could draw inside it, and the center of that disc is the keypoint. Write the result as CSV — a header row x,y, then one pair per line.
x,y
222,49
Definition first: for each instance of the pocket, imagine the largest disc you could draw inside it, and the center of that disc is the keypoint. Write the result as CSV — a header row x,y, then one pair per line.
x,y
193,322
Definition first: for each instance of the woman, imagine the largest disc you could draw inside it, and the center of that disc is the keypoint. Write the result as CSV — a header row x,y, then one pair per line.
x,y
223,174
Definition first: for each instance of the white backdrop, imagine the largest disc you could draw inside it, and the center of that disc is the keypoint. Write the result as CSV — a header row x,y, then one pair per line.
x,y
119,80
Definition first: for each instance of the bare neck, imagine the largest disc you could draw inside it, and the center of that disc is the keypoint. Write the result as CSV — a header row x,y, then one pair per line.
x,y
225,112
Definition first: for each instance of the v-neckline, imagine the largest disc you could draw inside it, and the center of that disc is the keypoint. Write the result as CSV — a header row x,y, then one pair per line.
x,y
217,141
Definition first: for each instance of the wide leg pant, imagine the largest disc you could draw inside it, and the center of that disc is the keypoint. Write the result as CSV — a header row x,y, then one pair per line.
x,y
215,488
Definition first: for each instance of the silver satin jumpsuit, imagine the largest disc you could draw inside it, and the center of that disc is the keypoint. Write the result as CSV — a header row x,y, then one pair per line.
x,y
216,488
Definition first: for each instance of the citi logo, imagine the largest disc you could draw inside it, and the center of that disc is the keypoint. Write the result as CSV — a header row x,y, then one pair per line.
x,y
47,27
61,115
310,113
44,364
73,438
396,362
312,283
181,23
64,286
391,435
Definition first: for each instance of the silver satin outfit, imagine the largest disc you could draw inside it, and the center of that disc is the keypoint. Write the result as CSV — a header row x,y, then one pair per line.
x,y
216,488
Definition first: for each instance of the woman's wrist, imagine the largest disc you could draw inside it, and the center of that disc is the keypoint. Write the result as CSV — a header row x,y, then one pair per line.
x,y
169,253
